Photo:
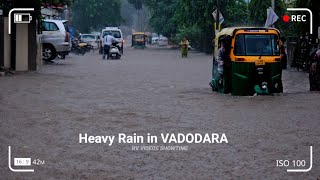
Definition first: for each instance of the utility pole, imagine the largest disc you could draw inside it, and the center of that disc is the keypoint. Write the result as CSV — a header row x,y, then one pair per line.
x,y
218,14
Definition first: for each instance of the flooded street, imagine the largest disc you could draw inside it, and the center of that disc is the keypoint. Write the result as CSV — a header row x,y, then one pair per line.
x,y
153,91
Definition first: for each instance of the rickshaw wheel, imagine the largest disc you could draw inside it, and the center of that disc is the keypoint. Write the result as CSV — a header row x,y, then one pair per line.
x,y
213,87
220,85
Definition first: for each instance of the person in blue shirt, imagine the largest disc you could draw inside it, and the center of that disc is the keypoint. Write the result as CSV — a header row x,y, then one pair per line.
x,y
108,40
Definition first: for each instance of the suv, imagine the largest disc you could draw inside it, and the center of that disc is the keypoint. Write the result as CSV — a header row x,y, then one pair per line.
x,y
115,32
55,39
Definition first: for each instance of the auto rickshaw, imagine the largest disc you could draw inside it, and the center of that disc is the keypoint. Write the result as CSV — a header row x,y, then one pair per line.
x,y
139,40
253,62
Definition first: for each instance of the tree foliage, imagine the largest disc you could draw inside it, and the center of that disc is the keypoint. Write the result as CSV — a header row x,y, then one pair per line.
x,y
314,6
137,3
193,18
258,10
91,14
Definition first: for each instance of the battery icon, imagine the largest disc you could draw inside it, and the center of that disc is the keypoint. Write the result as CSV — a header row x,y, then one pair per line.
x,y
22,18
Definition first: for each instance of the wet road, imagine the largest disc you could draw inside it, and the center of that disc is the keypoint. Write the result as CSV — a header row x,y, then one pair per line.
x,y
152,91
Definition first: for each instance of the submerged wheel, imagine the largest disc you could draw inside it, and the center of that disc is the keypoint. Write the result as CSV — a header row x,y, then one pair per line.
x,y
48,52
82,51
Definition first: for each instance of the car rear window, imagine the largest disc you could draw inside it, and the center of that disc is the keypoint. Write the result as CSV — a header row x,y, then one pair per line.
x,y
49,26
88,36
115,34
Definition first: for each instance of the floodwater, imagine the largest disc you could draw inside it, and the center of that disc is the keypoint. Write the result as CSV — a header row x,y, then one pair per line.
x,y
153,91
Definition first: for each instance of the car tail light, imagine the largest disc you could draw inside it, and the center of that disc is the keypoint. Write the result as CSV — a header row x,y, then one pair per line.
x,y
66,37
239,59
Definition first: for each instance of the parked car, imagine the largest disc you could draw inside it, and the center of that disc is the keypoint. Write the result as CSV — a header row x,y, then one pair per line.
x,y
92,39
55,39
163,41
116,33
155,40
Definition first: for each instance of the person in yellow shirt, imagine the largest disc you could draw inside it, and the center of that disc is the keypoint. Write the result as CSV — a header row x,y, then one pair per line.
x,y
184,47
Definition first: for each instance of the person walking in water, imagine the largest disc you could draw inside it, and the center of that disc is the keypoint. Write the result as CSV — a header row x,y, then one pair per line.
x,y
184,47
224,68
108,40
284,58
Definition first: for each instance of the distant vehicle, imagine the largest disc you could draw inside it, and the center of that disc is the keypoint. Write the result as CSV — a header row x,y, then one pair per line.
x,y
78,47
96,33
139,40
55,39
116,33
92,39
155,40
163,41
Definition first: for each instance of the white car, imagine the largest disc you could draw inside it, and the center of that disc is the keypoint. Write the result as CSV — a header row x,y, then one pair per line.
x,y
92,39
115,32
163,41
55,39
155,40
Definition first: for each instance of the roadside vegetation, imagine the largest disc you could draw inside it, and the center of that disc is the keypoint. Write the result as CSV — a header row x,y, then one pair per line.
x,y
176,19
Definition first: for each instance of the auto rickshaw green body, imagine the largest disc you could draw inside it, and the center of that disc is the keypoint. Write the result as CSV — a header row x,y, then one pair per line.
x,y
248,74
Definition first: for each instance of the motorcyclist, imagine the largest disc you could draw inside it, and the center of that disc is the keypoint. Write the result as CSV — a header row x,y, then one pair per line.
x,y
108,41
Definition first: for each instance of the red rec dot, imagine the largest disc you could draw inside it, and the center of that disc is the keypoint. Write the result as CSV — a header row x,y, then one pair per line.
x,y
286,18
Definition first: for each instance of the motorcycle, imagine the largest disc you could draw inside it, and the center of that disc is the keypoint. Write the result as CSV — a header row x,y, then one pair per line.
x,y
114,52
78,47
89,48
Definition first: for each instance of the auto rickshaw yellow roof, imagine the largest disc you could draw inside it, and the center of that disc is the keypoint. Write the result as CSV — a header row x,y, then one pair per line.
x,y
230,30
136,33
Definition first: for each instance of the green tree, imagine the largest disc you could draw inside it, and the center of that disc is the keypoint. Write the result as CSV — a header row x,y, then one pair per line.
x,y
91,14
193,18
137,3
258,10
236,13
161,16
314,6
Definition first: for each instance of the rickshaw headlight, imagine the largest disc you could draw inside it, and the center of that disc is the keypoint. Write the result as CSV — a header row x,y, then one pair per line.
x,y
260,71
264,85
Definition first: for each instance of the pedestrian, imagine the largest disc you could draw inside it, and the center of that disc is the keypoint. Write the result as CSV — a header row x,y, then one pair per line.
x,y
107,42
223,61
221,57
314,73
283,53
184,47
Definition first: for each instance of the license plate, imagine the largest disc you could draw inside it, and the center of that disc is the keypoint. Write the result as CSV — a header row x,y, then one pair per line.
x,y
113,55
260,62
